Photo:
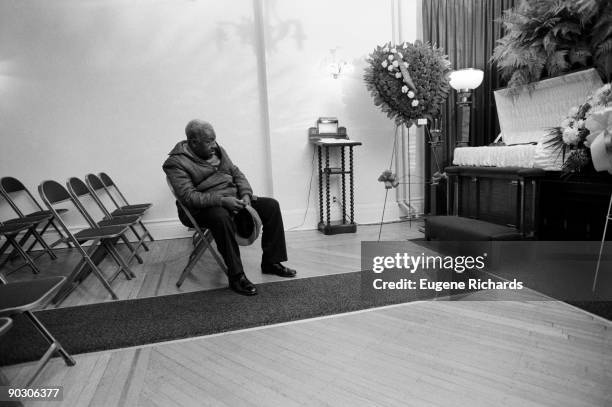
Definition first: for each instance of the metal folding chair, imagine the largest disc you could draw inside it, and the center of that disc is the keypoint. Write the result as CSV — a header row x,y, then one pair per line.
x,y
79,192
11,188
202,239
110,185
23,297
12,228
106,237
99,191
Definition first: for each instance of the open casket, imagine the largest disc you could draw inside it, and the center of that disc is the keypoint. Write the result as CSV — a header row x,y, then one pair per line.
x,y
519,185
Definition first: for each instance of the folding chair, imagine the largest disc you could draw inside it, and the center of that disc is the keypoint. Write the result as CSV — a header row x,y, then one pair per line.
x,y
202,238
53,193
11,229
10,187
23,297
79,191
98,191
109,185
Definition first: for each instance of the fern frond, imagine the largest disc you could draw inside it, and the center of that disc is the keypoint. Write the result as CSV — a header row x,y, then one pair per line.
x,y
557,63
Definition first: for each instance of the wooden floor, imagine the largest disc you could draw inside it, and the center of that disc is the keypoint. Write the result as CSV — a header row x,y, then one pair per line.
x,y
433,353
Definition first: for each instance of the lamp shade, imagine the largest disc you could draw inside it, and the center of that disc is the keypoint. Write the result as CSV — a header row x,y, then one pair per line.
x,y
469,78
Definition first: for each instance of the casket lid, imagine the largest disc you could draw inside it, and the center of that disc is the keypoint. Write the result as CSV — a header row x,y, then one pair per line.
x,y
525,117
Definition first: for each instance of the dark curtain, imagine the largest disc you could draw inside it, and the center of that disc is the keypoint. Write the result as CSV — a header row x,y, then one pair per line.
x,y
467,31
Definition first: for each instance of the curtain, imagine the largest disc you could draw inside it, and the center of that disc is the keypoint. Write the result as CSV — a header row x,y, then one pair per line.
x,y
467,31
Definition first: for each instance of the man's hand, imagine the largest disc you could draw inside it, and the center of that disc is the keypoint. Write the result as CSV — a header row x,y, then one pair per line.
x,y
231,203
246,199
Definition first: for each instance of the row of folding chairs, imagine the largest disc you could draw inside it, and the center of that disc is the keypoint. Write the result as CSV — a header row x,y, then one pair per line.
x,y
106,227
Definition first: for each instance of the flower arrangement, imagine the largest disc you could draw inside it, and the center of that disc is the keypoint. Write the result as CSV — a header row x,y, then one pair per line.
x,y
389,178
573,138
408,81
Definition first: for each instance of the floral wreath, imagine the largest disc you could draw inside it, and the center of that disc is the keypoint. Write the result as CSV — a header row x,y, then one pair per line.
x,y
408,81
584,123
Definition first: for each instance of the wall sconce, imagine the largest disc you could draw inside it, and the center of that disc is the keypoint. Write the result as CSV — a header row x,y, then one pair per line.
x,y
464,81
336,66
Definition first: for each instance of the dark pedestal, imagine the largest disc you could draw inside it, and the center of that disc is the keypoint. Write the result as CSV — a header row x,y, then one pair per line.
x,y
347,224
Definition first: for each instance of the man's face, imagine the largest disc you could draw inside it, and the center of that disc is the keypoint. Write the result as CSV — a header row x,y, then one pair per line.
x,y
204,145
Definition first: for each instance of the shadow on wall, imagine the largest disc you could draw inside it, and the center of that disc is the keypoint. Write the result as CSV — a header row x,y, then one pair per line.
x,y
275,28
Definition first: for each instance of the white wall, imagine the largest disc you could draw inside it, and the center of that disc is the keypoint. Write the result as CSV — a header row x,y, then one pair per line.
x,y
88,86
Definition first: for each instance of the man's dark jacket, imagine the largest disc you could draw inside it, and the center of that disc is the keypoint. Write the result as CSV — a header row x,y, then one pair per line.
x,y
198,184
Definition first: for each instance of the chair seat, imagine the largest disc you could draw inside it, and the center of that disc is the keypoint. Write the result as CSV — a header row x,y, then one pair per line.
x,y
28,295
127,212
119,221
137,206
32,220
106,232
37,213
14,228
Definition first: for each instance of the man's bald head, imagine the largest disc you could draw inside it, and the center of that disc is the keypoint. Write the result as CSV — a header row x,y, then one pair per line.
x,y
197,129
201,138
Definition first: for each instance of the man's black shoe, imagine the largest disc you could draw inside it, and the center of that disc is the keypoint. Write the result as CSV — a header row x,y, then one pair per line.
x,y
277,269
243,286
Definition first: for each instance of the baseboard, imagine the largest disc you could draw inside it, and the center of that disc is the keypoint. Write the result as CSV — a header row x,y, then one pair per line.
x,y
363,214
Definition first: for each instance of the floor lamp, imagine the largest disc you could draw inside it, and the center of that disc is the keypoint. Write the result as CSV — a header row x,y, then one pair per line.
x,y
464,81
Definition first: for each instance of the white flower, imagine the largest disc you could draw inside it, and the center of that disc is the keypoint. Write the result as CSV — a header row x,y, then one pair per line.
x,y
395,64
600,93
385,49
573,111
598,122
404,89
390,68
406,64
570,136
393,50
384,63
405,46
411,94
400,55
390,57
415,103
398,75
580,124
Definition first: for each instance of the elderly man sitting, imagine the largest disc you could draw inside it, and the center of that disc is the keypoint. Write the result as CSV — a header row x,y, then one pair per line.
x,y
214,189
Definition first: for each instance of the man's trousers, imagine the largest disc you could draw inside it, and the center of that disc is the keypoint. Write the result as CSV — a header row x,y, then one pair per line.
x,y
220,222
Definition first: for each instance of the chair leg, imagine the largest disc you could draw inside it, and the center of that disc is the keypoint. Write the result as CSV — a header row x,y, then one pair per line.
x,y
135,232
94,268
118,259
194,257
147,233
55,346
132,249
62,238
14,254
26,257
216,256
38,238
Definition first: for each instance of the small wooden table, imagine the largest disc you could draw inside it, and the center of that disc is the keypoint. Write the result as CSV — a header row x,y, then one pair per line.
x,y
347,223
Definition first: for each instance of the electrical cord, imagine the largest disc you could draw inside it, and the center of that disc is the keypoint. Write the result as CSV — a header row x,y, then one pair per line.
x,y
309,192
